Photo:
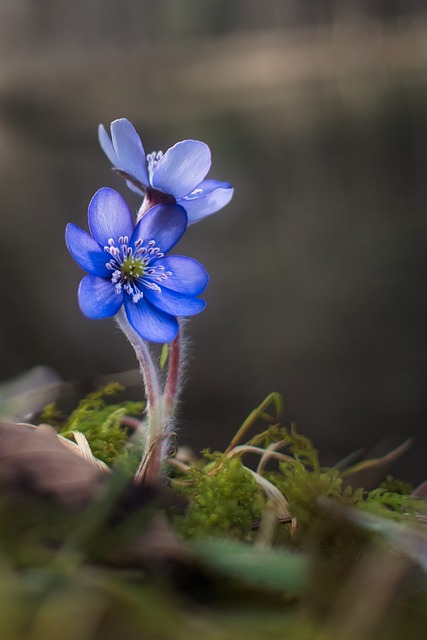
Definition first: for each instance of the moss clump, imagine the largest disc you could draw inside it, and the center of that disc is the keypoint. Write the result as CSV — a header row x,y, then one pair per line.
x,y
320,556
101,423
304,483
224,500
301,479
390,504
395,485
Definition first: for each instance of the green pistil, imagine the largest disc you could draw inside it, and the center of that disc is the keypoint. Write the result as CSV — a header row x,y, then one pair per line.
x,y
132,267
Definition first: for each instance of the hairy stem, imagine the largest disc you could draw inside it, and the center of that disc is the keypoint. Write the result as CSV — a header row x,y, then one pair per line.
x,y
150,466
151,199
172,385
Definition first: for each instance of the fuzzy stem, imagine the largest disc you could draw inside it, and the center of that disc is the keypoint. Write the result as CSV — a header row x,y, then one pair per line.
x,y
145,206
149,468
146,365
173,378
151,199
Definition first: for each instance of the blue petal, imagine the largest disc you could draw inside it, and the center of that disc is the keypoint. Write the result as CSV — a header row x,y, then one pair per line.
x,y
150,323
86,251
109,216
188,275
164,223
209,197
174,303
182,168
129,150
98,298
134,188
107,145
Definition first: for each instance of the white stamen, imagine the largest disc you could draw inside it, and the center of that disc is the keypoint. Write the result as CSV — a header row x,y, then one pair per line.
x,y
123,278
151,285
137,297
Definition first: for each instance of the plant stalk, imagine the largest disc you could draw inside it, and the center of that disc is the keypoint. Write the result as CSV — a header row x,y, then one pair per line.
x,y
149,469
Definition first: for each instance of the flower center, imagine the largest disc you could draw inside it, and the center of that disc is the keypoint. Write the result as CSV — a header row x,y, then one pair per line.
x,y
132,267
135,267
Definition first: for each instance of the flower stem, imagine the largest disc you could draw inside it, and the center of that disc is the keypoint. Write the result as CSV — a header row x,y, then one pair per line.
x,y
173,378
146,364
151,199
149,468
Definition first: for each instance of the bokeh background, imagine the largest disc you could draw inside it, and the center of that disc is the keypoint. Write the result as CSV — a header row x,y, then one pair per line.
x,y
317,113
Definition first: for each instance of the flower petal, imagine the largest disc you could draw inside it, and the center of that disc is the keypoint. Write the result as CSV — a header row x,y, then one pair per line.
x,y
164,223
182,168
108,149
134,188
98,298
129,150
86,251
174,303
210,196
188,275
109,216
107,145
150,323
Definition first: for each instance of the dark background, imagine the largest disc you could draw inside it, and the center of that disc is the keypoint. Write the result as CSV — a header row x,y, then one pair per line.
x,y
317,113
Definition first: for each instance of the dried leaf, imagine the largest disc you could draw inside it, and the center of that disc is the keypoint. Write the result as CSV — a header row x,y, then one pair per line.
x,y
34,460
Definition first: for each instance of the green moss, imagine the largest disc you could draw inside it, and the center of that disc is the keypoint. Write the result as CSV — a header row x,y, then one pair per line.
x,y
395,485
302,488
389,504
52,415
224,500
292,581
100,422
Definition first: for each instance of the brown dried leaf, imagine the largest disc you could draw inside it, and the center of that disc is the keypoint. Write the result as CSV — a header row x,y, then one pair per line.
x,y
34,460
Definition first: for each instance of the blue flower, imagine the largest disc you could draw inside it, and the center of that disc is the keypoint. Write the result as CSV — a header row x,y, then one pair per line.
x,y
175,176
127,265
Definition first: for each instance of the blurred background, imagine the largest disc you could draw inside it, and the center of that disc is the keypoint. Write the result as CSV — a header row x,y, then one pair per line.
x,y
317,113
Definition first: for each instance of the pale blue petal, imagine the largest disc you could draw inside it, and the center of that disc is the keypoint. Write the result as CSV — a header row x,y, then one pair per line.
x,y
182,168
164,223
86,251
134,188
150,323
188,275
129,150
107,145
174,303
210,196
98,298
109,216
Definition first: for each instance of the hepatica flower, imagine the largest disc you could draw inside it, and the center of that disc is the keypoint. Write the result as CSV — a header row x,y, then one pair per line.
x,y
177,176
127,266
